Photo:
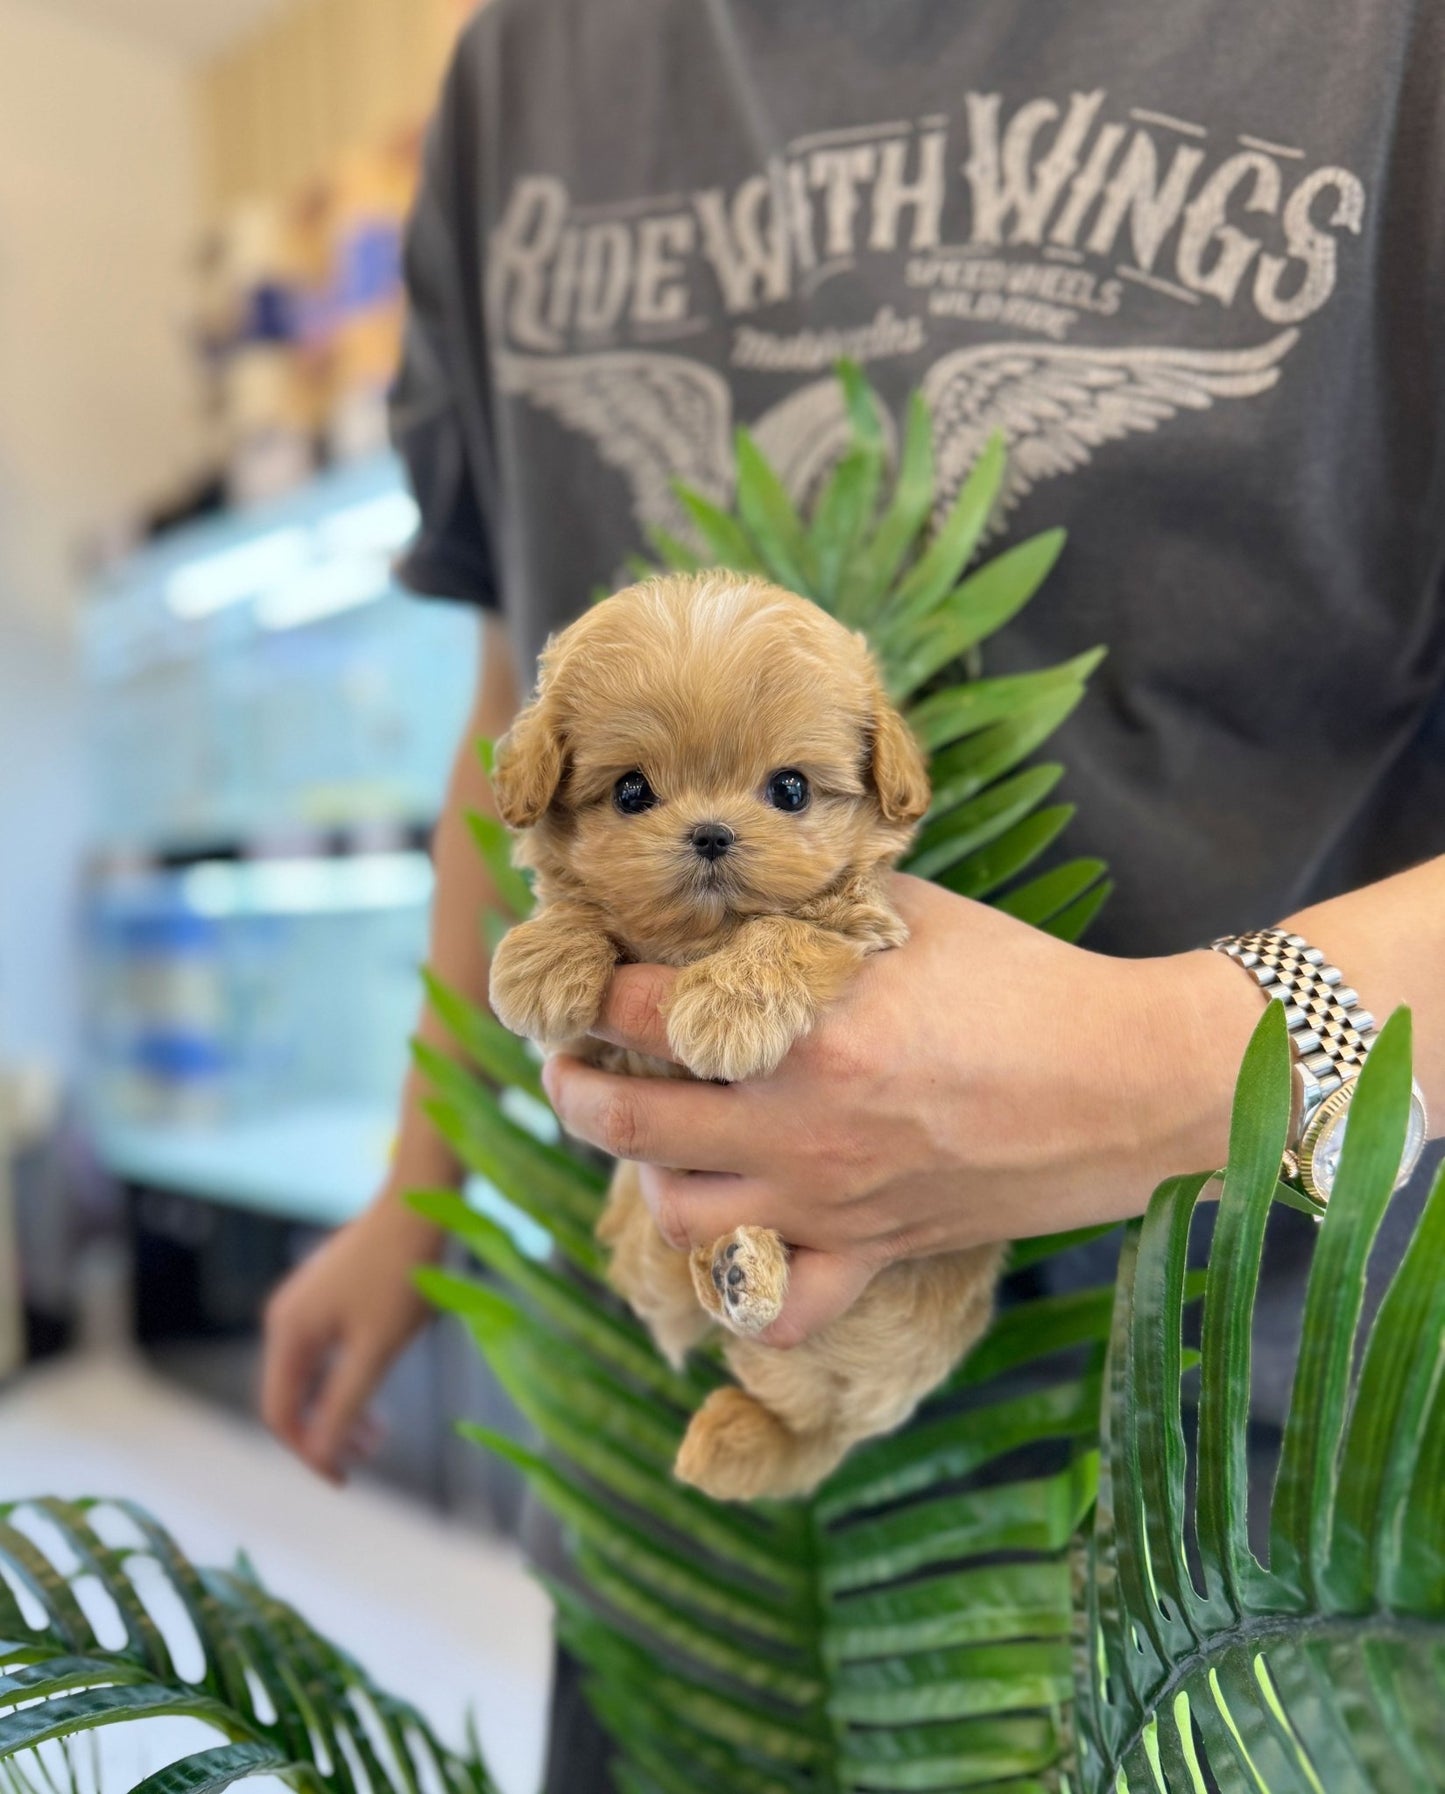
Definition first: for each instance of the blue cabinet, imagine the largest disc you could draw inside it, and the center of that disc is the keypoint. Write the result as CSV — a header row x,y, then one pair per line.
x,y
271,724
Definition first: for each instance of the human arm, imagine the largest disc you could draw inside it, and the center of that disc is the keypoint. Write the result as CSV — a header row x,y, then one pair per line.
x,y
336,1324
983,1082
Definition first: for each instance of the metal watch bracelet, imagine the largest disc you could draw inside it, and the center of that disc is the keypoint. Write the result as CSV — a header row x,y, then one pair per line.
x,y
1331,1036
1328,1030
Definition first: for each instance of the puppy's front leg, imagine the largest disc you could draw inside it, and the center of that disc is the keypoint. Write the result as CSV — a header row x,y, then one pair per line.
x,y
860,908
734,1014
550,973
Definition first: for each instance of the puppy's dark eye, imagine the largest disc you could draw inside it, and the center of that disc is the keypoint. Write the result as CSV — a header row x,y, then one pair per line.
x,y
632,794
788,790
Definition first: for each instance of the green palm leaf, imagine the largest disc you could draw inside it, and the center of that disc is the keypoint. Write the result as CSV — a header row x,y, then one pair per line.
x,y
869,575
871,1636
1324,1669
1038,1586
278,1697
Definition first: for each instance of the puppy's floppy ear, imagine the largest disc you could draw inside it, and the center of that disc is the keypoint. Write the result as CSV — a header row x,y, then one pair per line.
x,y
527,768
531,757
900,774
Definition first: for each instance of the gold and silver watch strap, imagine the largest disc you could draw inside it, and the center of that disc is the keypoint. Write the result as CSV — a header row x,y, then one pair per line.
x,y
1329,1031
1332,1037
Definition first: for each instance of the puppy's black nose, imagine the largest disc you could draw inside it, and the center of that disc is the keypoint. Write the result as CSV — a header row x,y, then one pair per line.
x,y
711,840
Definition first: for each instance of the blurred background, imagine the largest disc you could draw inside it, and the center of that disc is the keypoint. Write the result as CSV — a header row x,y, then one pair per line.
x,y
223,741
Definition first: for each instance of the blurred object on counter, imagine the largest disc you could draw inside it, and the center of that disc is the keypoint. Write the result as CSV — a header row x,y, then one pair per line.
x,y
312,127
265,381
371,197
300,322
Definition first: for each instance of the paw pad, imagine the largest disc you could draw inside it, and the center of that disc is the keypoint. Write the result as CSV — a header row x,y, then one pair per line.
x,y
749,1271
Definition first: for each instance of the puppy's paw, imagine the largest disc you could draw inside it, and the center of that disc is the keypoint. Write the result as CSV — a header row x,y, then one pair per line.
x,y
742,1280
549,987
875,926
729,1024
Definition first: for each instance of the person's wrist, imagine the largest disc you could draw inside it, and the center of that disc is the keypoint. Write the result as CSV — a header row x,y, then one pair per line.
x,y
422,1160
392,1218
1204,1013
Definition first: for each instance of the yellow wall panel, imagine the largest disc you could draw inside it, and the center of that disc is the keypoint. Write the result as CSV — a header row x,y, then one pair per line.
x,y
320,79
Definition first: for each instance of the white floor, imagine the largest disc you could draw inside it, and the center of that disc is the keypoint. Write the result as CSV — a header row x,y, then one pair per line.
x,y
436,1614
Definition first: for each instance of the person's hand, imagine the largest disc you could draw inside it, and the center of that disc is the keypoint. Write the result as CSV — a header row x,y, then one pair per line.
x,y
984,1082
333,1329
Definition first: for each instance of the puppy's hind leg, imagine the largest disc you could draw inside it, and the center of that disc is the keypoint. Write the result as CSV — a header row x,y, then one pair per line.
x,y
778,1434
799,1413
735,1449
742,1279
651,1276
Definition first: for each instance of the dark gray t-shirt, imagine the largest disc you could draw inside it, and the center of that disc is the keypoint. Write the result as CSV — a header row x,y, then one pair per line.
x,y
1189,259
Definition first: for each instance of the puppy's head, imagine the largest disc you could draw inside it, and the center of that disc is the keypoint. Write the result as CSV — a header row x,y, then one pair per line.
x,y
707,746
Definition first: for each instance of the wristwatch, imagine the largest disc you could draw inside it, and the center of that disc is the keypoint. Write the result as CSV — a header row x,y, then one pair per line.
x,y
1331,1036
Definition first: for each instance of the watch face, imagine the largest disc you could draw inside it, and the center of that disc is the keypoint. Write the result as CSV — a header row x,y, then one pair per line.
x,y
1325,1159
1320,1153
1417,1131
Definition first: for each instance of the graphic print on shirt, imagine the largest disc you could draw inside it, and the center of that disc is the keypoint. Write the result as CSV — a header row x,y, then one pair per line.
x,y
1058,222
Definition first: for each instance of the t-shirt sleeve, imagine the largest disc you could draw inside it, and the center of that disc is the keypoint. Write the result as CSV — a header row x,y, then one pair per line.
x,y
432,427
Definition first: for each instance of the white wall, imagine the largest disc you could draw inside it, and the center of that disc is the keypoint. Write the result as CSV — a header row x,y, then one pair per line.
x,y
98,201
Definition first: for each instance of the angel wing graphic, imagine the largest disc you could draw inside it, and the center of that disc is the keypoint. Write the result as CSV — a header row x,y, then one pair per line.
x,y
1056,406
657,418
805,435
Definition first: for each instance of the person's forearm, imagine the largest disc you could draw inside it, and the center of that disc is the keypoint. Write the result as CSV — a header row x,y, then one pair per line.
x,y
463,892
1389,941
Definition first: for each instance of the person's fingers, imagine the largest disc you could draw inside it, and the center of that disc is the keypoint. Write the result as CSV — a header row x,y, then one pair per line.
x,y
289,1364
366,1438
665,1121
350,1380
821,1286
694,1208
632,1013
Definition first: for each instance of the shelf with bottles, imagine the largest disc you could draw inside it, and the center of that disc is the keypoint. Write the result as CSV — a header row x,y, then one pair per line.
x,y
231,990
271,727
248,1031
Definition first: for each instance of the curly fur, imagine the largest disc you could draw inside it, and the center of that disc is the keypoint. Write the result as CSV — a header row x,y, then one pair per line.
x,y
708,685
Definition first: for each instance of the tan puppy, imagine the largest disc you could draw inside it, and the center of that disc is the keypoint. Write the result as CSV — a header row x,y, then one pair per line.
x,y
711,776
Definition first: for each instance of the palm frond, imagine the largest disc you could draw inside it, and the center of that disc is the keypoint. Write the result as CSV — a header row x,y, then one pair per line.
x,y
871,561
1042,1584
105,1622
1324,1668
910,1627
